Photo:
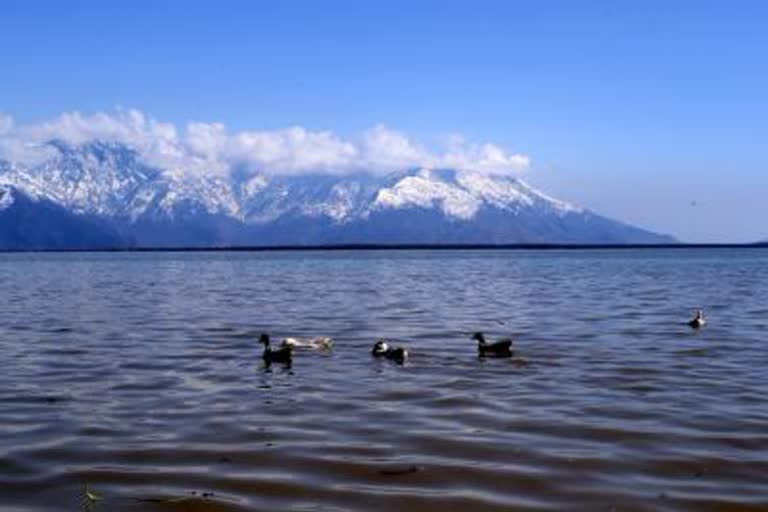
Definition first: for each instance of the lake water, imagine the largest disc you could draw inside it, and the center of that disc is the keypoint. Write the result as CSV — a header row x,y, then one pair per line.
x,y
140,375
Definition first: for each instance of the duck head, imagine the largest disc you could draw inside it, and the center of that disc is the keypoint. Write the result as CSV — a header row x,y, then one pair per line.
x,y
264,339
380,347
479,337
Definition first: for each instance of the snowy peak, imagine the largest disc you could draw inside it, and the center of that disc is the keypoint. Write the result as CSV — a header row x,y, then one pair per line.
x,y
461,194
110,179
340,198
6,197
95,178
109,183
426,190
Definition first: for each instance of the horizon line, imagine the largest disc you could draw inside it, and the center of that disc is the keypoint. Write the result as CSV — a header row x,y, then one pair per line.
x,y
397,247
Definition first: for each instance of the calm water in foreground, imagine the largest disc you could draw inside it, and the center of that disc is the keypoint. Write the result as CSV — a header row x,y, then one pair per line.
x,y
140,375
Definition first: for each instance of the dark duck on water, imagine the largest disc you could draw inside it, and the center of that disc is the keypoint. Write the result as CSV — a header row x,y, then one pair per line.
x,y
501,348
698,320
282,355
382,349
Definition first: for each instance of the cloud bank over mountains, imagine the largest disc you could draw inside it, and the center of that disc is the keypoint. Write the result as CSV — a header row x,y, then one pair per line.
x,y
210,148
84,182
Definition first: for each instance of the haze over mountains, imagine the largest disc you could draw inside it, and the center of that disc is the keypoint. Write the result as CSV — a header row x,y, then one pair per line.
x,y
102,194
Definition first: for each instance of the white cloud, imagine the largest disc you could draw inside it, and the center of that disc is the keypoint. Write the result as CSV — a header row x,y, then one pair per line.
x,y
391,150
210,148
6,123
487,158
295,150
15,147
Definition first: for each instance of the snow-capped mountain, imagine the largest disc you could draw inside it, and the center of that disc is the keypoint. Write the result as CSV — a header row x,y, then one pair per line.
x,y
106,188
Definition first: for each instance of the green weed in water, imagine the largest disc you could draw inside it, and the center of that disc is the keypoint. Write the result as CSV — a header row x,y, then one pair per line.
x,y
89,498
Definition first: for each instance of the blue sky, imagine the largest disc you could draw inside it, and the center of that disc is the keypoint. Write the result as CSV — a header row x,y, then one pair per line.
x,y
651,112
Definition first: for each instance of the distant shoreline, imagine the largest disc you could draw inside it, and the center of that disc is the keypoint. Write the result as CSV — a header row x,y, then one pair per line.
x,y
398,247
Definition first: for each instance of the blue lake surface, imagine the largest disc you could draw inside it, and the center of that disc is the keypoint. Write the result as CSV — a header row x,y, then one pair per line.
x,y
140,375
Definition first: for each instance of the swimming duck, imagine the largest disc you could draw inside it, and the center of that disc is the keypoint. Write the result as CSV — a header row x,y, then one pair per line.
x,y
282,355
382,349
698,320
501,348
319,342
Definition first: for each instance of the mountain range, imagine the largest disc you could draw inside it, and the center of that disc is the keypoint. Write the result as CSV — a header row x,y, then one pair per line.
x,y
104,195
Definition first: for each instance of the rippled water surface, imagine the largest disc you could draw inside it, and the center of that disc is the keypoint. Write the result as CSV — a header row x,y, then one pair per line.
x,y
140,375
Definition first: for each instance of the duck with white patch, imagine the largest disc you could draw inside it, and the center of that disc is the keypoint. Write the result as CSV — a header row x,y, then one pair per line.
x,y
281,355
501,348
316,343
698,320
382,348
